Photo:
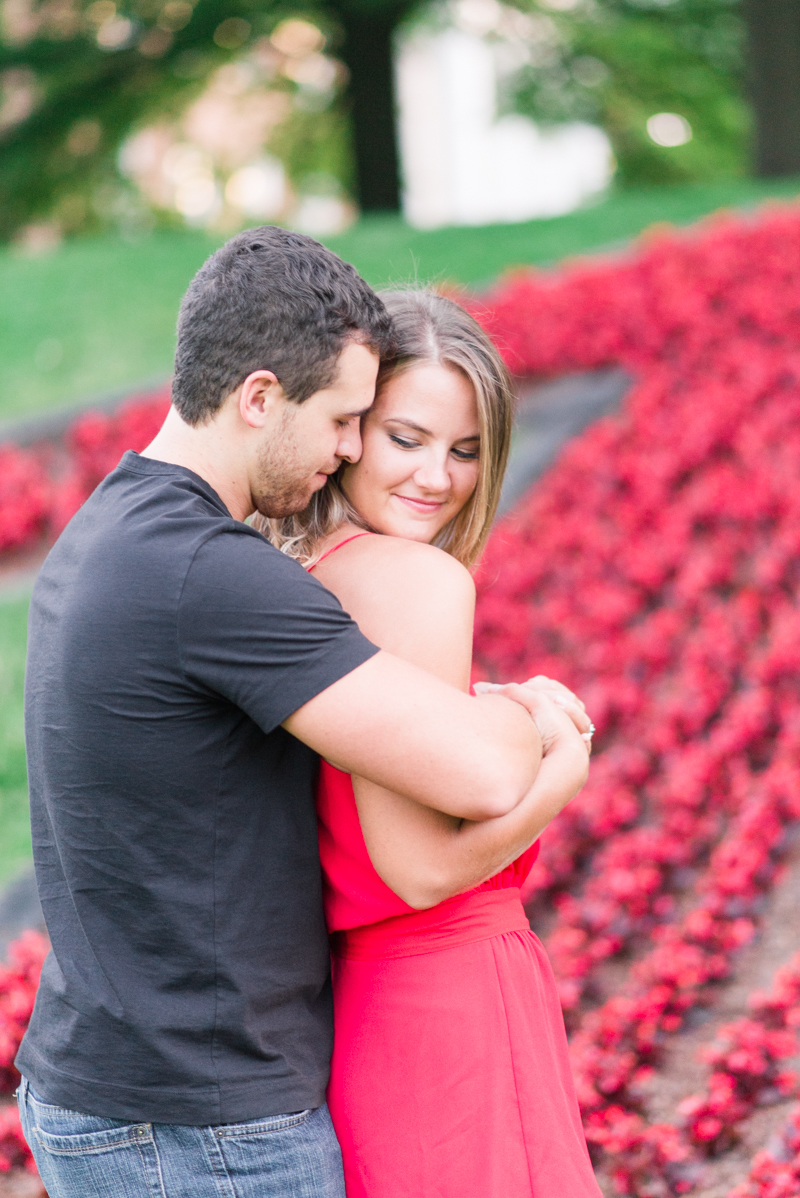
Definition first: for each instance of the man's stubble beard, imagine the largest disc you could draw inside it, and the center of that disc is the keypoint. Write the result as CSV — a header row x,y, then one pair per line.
x,y
282,486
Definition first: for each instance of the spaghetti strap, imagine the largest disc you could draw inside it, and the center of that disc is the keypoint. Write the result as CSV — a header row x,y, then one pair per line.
x,y
346,541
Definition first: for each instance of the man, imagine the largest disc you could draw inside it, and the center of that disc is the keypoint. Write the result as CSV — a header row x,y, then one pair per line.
x,y
182,677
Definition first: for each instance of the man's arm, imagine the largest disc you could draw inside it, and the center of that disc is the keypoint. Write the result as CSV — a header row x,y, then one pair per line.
x,y
419,603
412,733
391,720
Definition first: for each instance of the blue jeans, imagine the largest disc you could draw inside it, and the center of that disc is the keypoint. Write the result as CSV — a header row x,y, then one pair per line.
x,y
83,1156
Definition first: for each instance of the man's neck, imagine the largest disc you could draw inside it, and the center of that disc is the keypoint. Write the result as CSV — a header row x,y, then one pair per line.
x,y
205,451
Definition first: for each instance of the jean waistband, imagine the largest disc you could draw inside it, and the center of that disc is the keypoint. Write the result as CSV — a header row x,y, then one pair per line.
x,y
477,915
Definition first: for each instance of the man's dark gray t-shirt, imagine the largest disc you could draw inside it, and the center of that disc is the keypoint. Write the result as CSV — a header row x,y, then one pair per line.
x,y
173,818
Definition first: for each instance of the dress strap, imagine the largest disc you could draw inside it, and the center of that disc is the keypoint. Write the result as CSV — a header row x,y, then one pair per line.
x,y
346,541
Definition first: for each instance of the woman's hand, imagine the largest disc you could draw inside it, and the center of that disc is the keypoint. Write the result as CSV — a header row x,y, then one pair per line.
x,y
561,740
555,691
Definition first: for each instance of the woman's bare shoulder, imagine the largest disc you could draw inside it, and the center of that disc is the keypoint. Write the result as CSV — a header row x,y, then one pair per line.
x,y
409,598
382,561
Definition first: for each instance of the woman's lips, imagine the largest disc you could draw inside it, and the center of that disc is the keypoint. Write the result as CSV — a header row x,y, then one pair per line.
x,y
426,506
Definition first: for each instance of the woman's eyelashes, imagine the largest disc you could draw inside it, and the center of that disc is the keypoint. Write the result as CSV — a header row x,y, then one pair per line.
x,y
463,455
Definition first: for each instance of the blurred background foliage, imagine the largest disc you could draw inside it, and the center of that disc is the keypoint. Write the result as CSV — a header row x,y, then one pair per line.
x,y
222,113
207,87
618,62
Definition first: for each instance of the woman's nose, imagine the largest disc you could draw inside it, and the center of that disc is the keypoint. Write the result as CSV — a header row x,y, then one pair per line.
x,y
432,475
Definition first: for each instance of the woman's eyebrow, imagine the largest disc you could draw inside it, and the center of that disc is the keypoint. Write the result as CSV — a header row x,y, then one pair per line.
x,y
409,424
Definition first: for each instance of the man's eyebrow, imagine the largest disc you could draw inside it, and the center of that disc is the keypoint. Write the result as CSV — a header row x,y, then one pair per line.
x,y
352,415
419,429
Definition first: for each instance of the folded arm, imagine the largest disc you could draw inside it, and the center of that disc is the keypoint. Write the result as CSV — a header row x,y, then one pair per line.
x,y
398,724
419,604
426,856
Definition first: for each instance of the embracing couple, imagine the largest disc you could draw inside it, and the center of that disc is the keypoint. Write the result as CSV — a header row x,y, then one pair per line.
x,y
214,708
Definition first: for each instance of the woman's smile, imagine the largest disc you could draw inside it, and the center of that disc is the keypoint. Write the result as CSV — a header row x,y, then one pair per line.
x,y
425,506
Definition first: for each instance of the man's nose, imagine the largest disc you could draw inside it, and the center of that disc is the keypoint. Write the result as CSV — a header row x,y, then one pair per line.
x,y
349,447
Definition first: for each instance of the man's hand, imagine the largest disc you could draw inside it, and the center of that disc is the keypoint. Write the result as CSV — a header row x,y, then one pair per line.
x,y
525,692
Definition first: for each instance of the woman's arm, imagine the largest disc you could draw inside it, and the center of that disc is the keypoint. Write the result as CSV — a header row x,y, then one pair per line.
x,y
418,603
426,857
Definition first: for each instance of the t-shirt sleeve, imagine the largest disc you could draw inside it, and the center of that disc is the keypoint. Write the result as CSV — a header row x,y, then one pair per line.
x,y
255,628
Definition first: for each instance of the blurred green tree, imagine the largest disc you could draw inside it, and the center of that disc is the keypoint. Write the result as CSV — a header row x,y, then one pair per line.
x,y
665,78
76,76
620,63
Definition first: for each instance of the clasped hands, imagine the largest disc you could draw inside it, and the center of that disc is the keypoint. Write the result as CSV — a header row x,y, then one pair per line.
x,y
550,704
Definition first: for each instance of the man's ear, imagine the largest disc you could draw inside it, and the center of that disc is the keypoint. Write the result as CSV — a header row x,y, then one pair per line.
x,y
260,396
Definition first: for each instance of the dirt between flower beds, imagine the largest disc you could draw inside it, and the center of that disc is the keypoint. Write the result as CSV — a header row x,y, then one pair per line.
x,y
681,1073
18,1183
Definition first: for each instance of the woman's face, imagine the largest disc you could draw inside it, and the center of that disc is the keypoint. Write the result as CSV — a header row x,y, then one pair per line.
x,y
421,446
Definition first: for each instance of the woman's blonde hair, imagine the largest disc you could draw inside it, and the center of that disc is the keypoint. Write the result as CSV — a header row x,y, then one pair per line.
x,y
428,328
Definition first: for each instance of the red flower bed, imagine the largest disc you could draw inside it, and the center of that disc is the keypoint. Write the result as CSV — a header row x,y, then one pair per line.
x,y
746,1060
26,498
14,1151
656,570
19,978
775,1172
40,490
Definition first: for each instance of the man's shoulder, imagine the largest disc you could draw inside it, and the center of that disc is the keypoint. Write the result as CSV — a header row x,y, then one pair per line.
x,y
140,531
238,554
238,565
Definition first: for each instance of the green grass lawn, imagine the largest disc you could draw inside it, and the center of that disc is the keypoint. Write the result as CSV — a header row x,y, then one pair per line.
x,y
15,839
98,315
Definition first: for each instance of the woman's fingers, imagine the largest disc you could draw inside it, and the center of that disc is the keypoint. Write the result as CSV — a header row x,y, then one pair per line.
x,y
577,713
549,685
548,718
541,681
552,719
556,693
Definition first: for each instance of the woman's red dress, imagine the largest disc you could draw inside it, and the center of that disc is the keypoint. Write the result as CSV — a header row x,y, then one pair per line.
x,y
450,1075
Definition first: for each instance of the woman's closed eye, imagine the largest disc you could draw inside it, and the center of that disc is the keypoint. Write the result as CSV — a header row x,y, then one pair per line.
x,y
463,455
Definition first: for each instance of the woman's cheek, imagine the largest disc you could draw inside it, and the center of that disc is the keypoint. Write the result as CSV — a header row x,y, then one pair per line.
x,y
467,484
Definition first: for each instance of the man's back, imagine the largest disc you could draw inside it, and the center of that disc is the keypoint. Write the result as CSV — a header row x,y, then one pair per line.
x,y
173,818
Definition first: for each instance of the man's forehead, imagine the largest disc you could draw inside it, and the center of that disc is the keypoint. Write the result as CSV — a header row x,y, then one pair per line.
x,y
356,355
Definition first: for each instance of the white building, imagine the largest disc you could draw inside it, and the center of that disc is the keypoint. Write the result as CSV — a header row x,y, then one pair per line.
x,y
461,164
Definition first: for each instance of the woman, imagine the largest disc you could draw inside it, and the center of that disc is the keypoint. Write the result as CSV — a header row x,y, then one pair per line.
x,y
450,1076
